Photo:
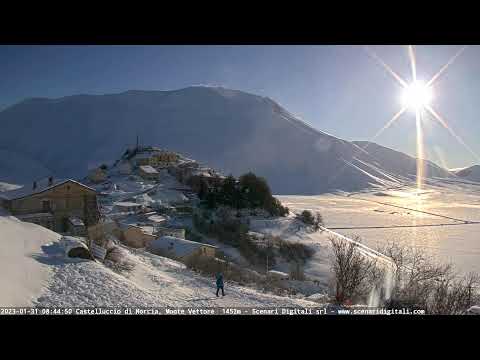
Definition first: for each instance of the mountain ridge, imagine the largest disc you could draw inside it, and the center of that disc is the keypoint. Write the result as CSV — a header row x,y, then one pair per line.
x,y
231,130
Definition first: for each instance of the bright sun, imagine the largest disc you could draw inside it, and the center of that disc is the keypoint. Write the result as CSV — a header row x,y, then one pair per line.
x,y
417,96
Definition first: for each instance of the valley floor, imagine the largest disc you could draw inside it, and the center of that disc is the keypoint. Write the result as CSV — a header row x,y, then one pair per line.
x,y
444,218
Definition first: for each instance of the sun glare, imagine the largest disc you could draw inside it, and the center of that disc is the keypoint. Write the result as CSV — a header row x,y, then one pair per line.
x,y
417,96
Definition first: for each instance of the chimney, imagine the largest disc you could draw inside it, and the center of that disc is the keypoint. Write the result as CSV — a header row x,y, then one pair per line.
x,y
34,185
50,181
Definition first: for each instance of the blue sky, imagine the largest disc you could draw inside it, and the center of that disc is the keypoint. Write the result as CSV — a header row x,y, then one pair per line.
x,y
338,89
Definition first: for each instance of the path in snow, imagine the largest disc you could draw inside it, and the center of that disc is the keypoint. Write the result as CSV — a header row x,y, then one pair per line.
x,y
154,282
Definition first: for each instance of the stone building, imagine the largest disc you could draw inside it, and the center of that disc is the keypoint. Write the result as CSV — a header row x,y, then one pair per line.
x,y
51,203
148,172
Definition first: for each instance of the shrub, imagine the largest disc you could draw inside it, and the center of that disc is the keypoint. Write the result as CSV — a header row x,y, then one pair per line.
x,y
296,272
294,252
351,270
309,219
210,266
421,282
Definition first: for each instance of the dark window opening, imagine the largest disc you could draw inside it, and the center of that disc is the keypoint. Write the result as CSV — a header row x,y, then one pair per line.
x,y
46,206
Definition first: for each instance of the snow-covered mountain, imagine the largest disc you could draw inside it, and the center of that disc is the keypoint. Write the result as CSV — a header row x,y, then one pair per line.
x,y
230,130
471,173
16,167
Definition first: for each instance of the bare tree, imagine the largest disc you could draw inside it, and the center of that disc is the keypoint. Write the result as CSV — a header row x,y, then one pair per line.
x,y
422,282
352,270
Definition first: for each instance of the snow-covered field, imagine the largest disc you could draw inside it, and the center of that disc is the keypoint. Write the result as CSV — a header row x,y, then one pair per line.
x,y
442,218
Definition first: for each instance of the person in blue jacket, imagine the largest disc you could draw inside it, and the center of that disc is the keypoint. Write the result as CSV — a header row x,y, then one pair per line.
x,y
220,283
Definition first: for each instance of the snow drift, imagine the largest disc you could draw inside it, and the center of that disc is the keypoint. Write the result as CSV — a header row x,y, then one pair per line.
x,y
22,272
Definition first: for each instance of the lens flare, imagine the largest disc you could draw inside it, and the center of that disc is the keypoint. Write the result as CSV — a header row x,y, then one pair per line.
x,y
420,154
417,96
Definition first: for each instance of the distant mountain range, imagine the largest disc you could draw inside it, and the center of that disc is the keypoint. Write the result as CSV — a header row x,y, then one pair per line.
x,y
471,173
230,130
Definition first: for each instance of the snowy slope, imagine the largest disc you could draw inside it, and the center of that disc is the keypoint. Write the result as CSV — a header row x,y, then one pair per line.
x,y
230,130
399,163
22,272
471,173
155,281
35,271
18,168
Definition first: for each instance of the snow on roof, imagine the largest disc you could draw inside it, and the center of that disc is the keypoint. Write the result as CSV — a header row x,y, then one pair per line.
x,y
34,215
256,234
157,218
76,221
148,169
142,156
42,186
127,204
203,173
180,247
278,273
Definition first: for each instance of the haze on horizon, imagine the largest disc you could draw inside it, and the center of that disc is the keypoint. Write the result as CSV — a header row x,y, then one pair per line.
x,y
337,89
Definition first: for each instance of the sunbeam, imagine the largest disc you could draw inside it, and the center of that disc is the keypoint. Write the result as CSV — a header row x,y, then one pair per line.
x,y
417,96
420,153
389,123
445,125
388,68
413,63
444,67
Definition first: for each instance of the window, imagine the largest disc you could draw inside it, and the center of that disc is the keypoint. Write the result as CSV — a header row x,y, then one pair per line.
x,y
46,206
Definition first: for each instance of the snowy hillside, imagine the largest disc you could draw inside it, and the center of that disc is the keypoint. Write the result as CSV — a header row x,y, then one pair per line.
x,y
471,173
230,130
35,271
398,163
18,168
22,270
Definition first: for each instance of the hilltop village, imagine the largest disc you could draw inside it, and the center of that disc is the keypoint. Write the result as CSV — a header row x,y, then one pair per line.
x,y
161,202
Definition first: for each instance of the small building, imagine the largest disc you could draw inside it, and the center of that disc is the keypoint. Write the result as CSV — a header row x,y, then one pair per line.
x,y
170,231
164,158
97,175
76,226
142,159
52,202
136,236
156,218
180,249
125,167
127,206
148,172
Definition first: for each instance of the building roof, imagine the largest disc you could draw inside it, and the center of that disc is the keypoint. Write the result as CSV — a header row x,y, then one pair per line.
x,y
127,204
180,247
142,156
42,186
76,221
34,215
148,169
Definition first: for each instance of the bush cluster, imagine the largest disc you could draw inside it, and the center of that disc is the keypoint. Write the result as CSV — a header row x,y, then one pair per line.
x,y
249,191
